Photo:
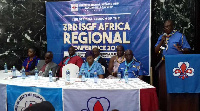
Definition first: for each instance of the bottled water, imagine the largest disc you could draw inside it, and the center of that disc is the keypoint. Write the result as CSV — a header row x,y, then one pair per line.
x,y
67,75
50,76
83,75
126,76
14,71
5,68
23,73
119,75
95,77
36,74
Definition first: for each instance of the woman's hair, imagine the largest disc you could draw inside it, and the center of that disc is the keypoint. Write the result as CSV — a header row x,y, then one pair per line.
x,y
32,48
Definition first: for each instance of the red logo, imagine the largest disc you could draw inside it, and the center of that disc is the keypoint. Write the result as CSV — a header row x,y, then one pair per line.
x,y
183,70
97,104
74,7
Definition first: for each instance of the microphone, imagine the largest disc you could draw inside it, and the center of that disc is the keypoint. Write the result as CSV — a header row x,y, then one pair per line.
x,y
163,46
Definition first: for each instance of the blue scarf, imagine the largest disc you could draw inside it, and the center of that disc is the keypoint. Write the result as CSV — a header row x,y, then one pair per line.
x,y
66,62
89,69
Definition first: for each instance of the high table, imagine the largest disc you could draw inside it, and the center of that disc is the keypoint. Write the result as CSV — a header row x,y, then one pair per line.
x,y
106,94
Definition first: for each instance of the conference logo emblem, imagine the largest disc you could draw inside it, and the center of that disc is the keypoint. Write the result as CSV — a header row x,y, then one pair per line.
x,y
183,70
74,7
27,99
97,104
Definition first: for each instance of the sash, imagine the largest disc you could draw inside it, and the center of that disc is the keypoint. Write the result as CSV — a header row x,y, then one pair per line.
x,y
66,62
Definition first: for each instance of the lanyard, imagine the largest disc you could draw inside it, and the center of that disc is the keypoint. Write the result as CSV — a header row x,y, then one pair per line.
x,y
128,65
167,39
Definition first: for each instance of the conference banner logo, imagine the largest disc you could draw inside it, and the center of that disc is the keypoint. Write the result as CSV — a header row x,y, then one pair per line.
x,y
183,70
74,7
97,104
27,99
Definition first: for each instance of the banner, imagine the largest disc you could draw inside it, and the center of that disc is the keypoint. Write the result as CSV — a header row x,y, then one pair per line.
x,y
19,97
103,24
183,73
101,100
3,97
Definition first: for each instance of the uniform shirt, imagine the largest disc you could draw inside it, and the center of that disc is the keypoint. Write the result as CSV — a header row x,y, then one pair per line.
x,y
133,69
176,38
30,64
89,71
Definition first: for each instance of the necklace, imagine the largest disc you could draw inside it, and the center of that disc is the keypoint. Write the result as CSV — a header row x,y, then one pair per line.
x,y
120,61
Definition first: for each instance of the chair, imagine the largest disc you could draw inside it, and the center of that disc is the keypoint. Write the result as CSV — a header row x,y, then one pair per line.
x,y
74,69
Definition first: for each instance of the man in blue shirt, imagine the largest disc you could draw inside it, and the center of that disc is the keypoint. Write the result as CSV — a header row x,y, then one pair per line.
x,y
131,65
171,42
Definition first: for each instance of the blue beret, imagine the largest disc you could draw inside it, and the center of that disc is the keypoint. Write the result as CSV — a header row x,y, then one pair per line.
x,y
89,53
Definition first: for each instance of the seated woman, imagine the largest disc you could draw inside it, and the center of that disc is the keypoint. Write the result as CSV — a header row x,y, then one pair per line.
x,y
91,66
31,62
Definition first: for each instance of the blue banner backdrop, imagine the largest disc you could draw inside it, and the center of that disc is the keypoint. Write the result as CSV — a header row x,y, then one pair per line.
x,y
20,97
103,24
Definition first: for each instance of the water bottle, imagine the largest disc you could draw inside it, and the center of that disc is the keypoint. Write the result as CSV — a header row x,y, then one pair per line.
x,y
83,75
36,74
119,75
126,76
14,71
50,76
95,77
5,68
67,75
23,73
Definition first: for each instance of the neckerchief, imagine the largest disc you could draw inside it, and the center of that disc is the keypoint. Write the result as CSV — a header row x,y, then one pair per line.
x,y
89,69
97,58
29,60
167,38
128,65
69,59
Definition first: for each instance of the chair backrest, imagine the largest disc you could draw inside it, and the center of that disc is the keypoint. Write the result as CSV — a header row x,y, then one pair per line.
x,y
74,69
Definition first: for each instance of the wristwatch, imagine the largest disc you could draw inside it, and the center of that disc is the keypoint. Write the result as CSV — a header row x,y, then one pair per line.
x,y
182,50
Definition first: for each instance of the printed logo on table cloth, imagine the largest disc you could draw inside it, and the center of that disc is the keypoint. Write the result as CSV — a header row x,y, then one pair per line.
x,y
183,70
27,99
74,7
97,104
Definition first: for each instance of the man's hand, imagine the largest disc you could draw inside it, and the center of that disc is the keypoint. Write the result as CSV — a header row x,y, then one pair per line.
x,y
163,39
114,74
28,73
178,47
